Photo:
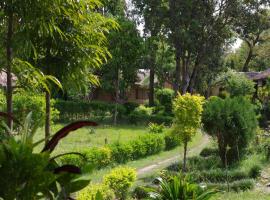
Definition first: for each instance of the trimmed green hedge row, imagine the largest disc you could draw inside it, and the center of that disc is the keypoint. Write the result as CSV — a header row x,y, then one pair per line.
x,y
118,152
75,110
240,185
101,111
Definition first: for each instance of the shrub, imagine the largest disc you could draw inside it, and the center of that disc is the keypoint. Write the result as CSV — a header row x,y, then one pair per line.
x,y
255,171
141,192
240,185
73,159
155,128
209,152
171,141
165,98
121,152
154,143
90,192
71,110
130,107
24,103
120,180
233,122
237,84
99,157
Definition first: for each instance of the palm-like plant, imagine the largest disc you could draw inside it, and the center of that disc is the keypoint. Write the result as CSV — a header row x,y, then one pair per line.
x,y
25,174
179,188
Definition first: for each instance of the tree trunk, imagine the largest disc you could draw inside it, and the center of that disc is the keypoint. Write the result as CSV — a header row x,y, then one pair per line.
x,y
116,97
193,77
48,116
177,71
248,59
152,85
222,150
185,80
185,158
9,70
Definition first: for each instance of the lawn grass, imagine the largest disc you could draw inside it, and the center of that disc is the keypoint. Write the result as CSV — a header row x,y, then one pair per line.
x,y
87,137
248,195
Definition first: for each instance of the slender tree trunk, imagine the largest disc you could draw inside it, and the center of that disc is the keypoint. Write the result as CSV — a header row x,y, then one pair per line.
x,y
193,77
248,59
116,97
185,80
48,116
152,86
9,69
185,158
177,71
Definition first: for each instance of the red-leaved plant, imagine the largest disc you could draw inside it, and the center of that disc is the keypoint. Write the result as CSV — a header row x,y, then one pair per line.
x,y
25,174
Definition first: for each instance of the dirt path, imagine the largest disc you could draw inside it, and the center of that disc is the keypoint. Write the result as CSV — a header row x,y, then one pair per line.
x,y
165,163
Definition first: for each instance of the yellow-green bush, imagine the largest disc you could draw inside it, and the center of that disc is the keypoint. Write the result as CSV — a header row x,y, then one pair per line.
x,y
89,193
120,180
100,157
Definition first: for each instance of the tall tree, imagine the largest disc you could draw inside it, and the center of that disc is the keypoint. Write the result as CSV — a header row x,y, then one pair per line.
x,y
73,55
16,18
153,12
197,29
252,23
125,46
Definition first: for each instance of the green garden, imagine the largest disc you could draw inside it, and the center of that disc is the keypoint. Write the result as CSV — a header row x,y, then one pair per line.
x,y
134,99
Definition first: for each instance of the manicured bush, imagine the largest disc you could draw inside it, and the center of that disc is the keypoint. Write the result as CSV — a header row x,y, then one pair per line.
x,y
76,110
99,156
209,152
90,192
233,122
165,98
121,152
120,180
143,146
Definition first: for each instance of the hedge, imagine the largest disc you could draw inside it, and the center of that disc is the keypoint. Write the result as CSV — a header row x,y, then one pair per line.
x,y
118,152
94,110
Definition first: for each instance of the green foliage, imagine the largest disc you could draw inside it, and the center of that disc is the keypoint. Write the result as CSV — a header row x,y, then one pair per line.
x,y
171,141
187,115
18,164
24,103
207,151
236,84
71,110
143,146
255,171
91,191
237,186
233,122
180,188
120,180
100,157
26,174
165,98
121,152
141,192
130,107
155,128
